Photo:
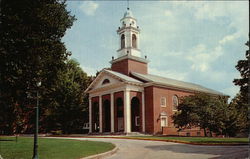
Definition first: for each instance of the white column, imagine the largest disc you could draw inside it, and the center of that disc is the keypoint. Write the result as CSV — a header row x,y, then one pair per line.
x,y
90,115
127,112
112,112
143,112
100,114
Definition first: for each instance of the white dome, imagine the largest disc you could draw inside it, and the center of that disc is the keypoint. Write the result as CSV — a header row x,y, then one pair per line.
x,y
128,13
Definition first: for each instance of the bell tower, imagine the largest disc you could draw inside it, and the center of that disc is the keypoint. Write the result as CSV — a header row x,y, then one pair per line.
x,y
129,54
129,36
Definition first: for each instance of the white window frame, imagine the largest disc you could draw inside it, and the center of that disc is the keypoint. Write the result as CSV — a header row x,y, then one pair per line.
x,y
165,101
166,121
137,121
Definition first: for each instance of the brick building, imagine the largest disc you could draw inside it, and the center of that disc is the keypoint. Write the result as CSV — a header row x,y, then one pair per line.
x,y
125,98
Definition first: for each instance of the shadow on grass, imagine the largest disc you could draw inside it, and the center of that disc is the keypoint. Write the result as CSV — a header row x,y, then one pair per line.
x,y
224,152
6,140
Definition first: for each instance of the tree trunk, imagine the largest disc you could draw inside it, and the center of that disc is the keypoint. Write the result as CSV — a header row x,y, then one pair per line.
x,y
205,132
210,133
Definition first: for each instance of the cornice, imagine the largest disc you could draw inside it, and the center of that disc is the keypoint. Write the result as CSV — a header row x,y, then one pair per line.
x,y
129,48
139,59
128,28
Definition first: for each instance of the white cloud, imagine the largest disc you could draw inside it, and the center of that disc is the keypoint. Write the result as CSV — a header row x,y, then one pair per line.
x,y
228,38
89,70
89,7
237,12
202,58
208,10
168,13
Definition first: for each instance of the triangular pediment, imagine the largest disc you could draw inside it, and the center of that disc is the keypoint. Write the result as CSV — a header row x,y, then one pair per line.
x,y
104,79
107,78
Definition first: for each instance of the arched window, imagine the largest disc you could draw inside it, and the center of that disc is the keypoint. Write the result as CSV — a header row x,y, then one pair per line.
x,y
134,43
175,102
122,41
105,81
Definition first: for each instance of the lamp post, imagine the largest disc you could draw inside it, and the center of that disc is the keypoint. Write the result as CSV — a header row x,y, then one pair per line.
x,y
35,154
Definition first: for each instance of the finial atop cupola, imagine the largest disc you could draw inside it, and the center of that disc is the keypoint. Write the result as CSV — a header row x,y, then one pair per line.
x,y
127,4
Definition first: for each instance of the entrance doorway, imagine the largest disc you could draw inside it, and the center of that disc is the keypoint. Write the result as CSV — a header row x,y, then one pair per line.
x,y
107,118
119,114
135,114
95,117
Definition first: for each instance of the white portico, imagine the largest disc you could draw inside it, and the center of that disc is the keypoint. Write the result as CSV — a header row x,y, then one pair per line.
x,y
116,103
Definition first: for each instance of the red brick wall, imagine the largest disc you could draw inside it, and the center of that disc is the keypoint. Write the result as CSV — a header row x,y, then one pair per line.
x,y
170,129
127,65
168,94
149,111
117,95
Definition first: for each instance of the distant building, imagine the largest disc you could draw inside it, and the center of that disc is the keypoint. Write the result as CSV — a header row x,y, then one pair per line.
x,y
125,98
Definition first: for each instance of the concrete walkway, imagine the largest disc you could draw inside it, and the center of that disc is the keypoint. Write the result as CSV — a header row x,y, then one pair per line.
x,y
140,149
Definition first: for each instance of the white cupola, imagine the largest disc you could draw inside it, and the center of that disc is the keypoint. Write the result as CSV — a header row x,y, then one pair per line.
x,y
128,36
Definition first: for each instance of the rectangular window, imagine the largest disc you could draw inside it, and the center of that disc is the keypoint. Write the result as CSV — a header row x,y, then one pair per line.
x,y
137,121
164,121
163,102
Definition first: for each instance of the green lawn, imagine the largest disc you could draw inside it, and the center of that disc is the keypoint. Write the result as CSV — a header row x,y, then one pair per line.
x,y
200,140
49,148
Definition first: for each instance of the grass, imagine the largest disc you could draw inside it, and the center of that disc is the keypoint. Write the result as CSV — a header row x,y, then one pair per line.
x,y
49,148
197,140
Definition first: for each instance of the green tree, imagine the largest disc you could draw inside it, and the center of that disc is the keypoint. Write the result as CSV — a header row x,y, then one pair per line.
x,y
204,111
30,50
69,100
241,100
241,113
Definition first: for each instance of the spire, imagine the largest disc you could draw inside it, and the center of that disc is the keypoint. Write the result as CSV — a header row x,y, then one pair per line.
x,y
127,4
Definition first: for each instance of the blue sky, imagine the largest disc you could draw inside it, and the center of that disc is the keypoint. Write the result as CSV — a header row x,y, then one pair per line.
x,y
193,41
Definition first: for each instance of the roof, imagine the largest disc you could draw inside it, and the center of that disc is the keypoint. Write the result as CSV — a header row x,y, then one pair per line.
x,y
122,76
175,83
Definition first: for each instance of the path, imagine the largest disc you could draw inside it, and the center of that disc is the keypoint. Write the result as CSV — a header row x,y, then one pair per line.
x,y
141,149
